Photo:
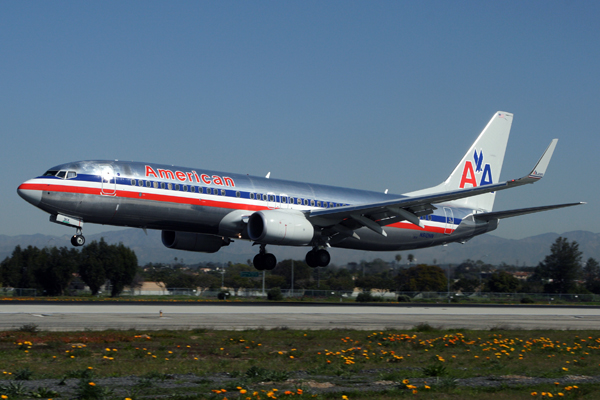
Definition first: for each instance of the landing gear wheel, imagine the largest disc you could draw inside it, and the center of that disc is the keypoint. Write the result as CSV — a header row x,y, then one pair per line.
x,y
322,257
265,261
318,258
311,259
77,240
259,262
270,261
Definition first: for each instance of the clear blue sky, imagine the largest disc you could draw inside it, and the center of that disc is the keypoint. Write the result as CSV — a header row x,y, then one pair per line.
x,y
374,95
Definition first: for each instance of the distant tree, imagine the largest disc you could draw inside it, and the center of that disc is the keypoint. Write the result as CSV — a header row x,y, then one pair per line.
x,y
210,281
398,258
411,258
233,278
502,282
55,270
302,273
468,269
591,274
123,268
11,269
340,280
422,277
274,281
382,281
562,267
49,270
101,261
91,265
466,284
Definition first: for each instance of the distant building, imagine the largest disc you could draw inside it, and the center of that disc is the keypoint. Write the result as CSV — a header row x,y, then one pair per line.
x,y
520,275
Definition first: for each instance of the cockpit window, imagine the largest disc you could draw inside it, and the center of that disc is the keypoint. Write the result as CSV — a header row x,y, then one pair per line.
x,y
61,174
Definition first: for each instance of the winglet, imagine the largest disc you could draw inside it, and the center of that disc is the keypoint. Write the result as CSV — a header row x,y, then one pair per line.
x,y
540,168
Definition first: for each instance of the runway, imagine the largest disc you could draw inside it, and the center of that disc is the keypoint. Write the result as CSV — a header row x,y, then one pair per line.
x,y
240,316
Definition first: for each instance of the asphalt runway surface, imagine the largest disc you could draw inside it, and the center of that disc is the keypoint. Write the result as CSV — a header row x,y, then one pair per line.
x,y
240,316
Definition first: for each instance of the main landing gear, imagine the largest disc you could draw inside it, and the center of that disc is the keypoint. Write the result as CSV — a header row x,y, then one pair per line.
x,y
78,239
267,261
318,258
263,260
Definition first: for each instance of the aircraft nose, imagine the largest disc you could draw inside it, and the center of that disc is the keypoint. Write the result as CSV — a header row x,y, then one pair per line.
x,y
29,194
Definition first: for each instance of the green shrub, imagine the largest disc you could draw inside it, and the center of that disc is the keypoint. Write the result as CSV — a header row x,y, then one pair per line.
x,y
403,298
527,300
275,294
23,374
366,297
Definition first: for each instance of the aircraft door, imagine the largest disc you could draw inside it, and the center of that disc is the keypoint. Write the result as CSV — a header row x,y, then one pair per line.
x,y
109,181
449,221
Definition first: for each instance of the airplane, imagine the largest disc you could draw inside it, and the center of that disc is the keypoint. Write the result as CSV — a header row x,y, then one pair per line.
x,y
202,210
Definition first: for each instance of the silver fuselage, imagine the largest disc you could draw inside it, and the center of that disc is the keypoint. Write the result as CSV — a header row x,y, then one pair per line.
x,y
152,196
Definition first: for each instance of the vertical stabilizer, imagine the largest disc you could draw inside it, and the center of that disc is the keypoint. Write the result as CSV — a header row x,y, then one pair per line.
x,y
481,165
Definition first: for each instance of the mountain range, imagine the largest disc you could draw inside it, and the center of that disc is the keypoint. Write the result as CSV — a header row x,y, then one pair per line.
x,y
488,248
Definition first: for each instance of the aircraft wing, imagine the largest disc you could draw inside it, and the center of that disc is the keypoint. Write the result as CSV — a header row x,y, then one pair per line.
x,y
521,211
345,220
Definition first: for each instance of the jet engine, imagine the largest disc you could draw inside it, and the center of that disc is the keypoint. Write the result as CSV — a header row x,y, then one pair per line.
x,y
193,241
284,227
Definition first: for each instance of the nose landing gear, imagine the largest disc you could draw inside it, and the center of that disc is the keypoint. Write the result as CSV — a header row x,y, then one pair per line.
x,y
78,239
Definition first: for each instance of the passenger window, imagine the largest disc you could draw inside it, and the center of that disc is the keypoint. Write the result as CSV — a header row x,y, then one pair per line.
x,y
133,182
185,188
140,183
155,185
162,185
61,174
318,204
312,203
169,186
271,197
237,194
176,186
251,196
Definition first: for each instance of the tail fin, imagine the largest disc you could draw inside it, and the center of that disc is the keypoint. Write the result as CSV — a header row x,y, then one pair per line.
x,y
481,165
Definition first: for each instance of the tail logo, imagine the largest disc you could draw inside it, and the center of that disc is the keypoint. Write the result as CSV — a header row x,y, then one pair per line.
x,y
469,175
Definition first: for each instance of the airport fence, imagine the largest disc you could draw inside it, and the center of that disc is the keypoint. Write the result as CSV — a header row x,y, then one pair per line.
x,y
341,295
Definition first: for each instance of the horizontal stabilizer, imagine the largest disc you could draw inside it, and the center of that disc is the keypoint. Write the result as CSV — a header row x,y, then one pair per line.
x,y
521,211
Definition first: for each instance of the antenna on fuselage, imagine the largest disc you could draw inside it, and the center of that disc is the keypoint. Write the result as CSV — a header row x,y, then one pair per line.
x,y
268,175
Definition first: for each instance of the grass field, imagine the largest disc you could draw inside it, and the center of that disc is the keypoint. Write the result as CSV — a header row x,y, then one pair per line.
x,y
421,363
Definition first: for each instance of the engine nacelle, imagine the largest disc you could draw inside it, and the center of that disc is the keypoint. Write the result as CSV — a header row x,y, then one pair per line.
x,y
193,241
285,227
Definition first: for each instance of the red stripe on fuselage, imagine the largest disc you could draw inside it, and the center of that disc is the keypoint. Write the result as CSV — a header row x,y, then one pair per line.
x,y
186,200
